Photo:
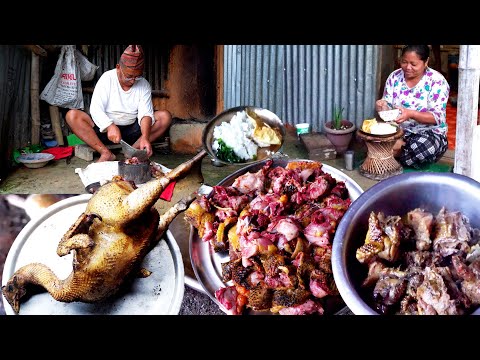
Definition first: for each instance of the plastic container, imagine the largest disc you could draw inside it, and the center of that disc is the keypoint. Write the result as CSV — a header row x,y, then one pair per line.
x,y
303,128
349,157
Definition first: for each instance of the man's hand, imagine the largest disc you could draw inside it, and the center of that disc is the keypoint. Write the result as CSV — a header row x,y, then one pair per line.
x,y
113,134
144,144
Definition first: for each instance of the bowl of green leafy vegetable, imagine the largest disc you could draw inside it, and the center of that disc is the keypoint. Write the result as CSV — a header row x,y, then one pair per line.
x,y
243,135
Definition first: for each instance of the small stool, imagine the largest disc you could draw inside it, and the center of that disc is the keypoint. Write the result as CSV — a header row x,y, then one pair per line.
x,y
380,163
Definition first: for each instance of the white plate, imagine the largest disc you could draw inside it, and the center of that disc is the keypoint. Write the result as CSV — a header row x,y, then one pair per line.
x,y
161,293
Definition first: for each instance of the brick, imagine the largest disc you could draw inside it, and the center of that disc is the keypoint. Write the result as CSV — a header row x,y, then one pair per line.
x,y
315,140
84,152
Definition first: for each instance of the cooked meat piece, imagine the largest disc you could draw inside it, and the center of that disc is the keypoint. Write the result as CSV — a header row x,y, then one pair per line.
x,y
322,284
260,298
415,279
250,182
474,253
240,275
323,259
470,284
422,223
461,300
227,269
196,215
373,241
375,269
231,299
219,242
433,292
340,190
305,265
290,297
418,258
392,226
452,233
424,308
408,306
383,238
389,289
307,308
271,264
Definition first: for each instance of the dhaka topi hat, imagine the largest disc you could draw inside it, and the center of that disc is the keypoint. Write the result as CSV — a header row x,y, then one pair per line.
x,y
133,58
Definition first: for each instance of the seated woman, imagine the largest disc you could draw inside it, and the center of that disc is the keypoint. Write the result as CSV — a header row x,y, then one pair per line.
x,y
421,94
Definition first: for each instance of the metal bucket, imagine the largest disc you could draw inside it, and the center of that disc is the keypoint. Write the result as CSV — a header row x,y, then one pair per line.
x,y
138,173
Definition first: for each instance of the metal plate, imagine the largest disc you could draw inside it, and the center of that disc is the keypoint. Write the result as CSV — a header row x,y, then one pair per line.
x,y
161,293
207,264
262,153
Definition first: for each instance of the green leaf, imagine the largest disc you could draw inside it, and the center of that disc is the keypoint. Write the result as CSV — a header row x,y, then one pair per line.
x,y
226,153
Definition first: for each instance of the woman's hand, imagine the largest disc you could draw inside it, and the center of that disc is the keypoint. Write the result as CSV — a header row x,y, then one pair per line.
x,y
381,105
404,115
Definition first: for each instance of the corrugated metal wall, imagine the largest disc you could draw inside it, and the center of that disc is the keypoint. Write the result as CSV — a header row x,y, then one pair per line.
x,y
303,83
15,123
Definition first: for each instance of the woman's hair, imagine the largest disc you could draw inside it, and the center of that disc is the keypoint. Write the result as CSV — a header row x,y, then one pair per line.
x,y
423,51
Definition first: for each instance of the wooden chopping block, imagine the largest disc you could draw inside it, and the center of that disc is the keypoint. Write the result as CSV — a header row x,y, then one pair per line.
x,y
318,146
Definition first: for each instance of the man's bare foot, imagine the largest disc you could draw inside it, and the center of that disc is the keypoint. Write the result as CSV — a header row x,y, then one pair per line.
x,y
106,156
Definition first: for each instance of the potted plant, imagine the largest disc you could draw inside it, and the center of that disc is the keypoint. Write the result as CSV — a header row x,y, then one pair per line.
x,y
339,131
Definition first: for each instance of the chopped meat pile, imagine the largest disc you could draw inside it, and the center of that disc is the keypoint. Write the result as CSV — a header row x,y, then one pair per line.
x,y
277,225
422,264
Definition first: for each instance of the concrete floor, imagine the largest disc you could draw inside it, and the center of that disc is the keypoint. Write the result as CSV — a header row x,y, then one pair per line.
x,y
59,177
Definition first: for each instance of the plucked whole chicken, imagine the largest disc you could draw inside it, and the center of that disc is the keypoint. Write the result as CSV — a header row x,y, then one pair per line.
x,y
109,242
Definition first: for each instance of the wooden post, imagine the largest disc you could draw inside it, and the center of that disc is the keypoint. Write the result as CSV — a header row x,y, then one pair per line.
x,y
219,75
34,99
55,120
467,108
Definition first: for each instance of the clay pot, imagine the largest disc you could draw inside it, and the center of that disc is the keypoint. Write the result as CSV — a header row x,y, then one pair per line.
x,y
340,138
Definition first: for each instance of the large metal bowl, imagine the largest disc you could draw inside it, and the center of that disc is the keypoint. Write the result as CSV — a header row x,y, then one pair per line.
x,y
395,196
268,118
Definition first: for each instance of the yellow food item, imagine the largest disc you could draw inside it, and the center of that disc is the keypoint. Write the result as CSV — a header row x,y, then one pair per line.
x,y
367,125
263,134
266,136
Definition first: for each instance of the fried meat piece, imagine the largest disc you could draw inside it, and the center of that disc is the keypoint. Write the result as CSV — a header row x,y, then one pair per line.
x,y
290,297
260,298
422,224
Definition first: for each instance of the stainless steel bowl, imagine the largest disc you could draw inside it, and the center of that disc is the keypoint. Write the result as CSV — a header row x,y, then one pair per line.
x,y
267,116
395,196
